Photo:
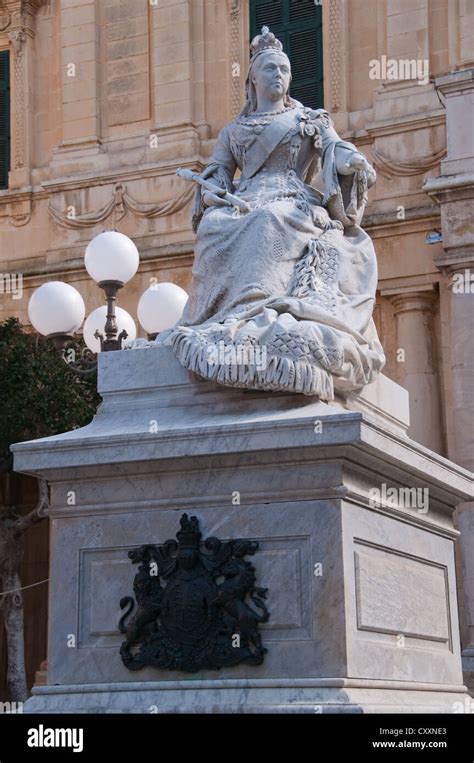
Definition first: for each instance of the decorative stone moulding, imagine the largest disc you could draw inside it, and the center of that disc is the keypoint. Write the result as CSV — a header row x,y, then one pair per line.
x,y
17,207
388,167
121,203
5,20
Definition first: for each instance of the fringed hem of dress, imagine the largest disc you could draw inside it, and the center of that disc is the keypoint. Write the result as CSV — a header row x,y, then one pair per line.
x,y
281,374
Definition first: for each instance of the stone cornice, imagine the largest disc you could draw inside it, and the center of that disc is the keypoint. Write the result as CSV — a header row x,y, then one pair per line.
x,y
43,269
59,185
406,124
359,439
455,259
90,180
456,82
23,6
389,287
413,299
450,187
417,220
390,218
18,14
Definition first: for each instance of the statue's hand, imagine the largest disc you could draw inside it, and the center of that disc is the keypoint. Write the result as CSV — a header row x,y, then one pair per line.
x,y
210,198
215,199
357,162
348,162
321,218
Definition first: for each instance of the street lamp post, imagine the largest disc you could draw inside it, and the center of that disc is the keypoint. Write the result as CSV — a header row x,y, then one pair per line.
x,y
57,310
111,259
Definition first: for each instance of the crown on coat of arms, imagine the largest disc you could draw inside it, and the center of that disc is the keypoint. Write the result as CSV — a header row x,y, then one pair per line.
x,y
264,41
189,536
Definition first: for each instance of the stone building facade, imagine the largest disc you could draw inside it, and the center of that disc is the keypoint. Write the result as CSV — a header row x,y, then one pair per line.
x,y
107,98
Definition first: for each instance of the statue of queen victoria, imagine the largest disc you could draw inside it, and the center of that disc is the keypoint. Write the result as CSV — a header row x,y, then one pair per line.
x,y
293,275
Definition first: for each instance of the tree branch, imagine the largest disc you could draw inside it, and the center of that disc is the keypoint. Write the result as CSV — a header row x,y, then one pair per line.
x,y
37,514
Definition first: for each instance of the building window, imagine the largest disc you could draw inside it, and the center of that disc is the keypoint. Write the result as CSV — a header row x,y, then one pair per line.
x,y
298,24
4,117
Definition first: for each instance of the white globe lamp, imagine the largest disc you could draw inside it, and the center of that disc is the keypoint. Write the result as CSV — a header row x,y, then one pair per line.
x,y
111,257
95,322
160,307
56,309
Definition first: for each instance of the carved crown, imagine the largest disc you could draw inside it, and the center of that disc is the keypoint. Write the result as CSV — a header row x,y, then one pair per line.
x,y
189,536
264,41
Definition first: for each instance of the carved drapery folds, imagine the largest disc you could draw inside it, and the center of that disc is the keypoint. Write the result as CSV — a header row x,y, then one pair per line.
x,y
390,168
119,204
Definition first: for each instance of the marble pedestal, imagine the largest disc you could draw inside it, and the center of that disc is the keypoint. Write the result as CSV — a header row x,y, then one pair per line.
x,y
376,631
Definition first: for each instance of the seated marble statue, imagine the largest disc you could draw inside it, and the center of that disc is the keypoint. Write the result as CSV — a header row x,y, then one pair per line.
x,y
282,295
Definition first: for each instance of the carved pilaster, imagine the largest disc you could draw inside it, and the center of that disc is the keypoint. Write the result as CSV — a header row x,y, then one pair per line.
x,y
335,65
414,310
336,55
17,19
17,38
461,436
235,56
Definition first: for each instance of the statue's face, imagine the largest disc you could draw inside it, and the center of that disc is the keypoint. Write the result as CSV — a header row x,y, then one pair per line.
x,y
272,76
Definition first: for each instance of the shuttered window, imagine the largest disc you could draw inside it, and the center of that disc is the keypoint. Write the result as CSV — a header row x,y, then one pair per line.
x,y
4,117
298,24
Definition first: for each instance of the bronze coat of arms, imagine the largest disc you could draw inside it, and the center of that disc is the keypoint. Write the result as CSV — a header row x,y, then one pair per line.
x,y
193,604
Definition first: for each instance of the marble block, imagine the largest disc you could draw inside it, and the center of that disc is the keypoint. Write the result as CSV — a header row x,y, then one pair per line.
x,y
361,584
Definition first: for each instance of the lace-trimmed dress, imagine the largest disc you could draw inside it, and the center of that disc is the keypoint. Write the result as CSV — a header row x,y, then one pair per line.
x,y
282,296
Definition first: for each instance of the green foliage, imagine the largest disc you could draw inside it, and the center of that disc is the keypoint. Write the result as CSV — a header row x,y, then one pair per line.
x,y
39,395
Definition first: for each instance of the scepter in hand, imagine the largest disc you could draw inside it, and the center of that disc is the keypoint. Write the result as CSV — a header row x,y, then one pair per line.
x,y
234,201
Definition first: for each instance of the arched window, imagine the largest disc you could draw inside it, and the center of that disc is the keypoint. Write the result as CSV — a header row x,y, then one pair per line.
x,y
4,117
298,24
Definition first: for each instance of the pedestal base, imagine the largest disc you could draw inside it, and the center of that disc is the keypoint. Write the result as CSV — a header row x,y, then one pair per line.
x,y
298,696
355,533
